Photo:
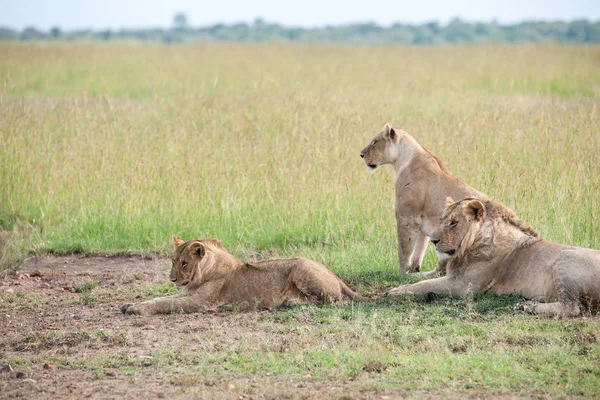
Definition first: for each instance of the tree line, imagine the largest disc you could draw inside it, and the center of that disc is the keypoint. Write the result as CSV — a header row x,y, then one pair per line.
x,y
431,33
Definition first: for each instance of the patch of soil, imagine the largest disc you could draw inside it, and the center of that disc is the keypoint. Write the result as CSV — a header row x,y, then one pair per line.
x,y
64,337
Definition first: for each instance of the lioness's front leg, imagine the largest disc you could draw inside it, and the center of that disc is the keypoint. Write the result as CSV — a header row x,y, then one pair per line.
x,y
439,270
408,230
418,253
179,303
443,285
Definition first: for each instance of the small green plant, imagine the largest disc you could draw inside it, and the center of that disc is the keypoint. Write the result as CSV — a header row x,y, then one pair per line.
x,y
86,287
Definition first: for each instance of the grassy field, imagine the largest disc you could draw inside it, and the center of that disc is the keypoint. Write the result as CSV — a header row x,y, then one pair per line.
x,y
111,148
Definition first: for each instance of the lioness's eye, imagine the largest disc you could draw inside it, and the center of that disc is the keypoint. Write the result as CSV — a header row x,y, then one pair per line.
x,y
373,143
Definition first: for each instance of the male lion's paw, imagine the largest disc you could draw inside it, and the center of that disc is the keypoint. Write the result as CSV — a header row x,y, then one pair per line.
x,y
399,291
131,308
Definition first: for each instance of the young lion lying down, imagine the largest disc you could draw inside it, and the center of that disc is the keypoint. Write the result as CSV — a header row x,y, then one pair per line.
x,y
210,276
493,251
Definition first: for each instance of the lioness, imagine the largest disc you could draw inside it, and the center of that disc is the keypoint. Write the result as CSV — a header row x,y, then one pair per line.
x,y
422,184
210,277
491,250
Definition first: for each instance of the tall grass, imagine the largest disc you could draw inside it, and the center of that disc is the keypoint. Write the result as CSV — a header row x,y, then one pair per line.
x,y
114,147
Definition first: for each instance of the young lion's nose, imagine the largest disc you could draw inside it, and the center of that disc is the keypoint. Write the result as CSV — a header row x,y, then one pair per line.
x,y
434,241
362,155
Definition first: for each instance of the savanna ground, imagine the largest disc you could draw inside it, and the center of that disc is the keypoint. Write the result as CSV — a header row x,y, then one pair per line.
x,y
108,149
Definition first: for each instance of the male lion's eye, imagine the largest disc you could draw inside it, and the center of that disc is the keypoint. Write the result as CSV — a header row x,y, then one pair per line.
x,y
183,265
452,224
373,143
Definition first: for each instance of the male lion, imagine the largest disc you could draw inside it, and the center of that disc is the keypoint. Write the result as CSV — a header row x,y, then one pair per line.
x,y
422,184
210,277
491,250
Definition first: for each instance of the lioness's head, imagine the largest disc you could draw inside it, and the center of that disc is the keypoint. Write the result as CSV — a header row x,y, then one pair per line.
x,y
191,259
382,149
458,226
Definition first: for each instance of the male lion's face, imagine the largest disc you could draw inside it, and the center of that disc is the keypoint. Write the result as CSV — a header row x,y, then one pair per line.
x,y
380,150
457,226
185,263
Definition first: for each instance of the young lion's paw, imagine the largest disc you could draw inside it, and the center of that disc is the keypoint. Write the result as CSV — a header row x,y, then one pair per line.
x,y
131,308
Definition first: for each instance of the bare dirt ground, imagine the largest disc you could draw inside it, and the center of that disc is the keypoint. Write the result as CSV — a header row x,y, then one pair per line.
x,y
60,339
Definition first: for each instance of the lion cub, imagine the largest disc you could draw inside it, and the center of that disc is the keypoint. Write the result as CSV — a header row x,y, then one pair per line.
x,y
210,276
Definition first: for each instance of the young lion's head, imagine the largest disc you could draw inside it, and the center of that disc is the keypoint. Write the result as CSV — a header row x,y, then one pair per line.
x,y
471,223
191,260
382,149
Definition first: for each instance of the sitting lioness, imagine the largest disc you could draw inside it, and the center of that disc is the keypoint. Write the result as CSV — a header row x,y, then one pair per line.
x,y
422,184
210,276
491,250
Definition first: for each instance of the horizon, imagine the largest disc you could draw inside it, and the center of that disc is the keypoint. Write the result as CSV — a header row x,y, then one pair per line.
x,y
73,15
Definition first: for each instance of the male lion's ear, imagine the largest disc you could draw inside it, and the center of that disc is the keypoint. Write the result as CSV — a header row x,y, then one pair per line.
x,y
196,249
449,201
390,133
176,242
474,210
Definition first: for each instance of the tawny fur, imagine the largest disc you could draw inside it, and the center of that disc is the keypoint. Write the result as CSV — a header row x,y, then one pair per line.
x,y
422,184
492,250
210,276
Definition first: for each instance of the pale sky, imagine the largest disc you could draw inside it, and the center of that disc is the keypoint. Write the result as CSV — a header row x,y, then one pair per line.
x,y
115,14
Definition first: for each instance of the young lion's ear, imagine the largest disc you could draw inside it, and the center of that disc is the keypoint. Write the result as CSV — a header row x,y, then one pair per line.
x,y
176,242
449,201
197,250
474,210
390,133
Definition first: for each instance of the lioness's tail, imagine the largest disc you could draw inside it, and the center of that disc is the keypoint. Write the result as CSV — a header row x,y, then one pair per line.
x,y
346,291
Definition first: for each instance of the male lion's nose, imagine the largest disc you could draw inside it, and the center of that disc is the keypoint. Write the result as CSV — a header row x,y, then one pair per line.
x,y
434,241
362,155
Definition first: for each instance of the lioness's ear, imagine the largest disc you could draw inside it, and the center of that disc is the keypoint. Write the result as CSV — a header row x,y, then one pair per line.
x,y
176,242
390,133
474,210
196,249
449,201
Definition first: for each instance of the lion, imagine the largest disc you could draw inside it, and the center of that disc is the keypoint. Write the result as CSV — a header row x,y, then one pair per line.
x,y
493,251
422,184
209,276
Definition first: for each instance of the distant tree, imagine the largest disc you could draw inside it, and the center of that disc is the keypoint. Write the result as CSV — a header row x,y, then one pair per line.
x,y
106,34
30,33
8,34
579,31
180,21
458,31
55,32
